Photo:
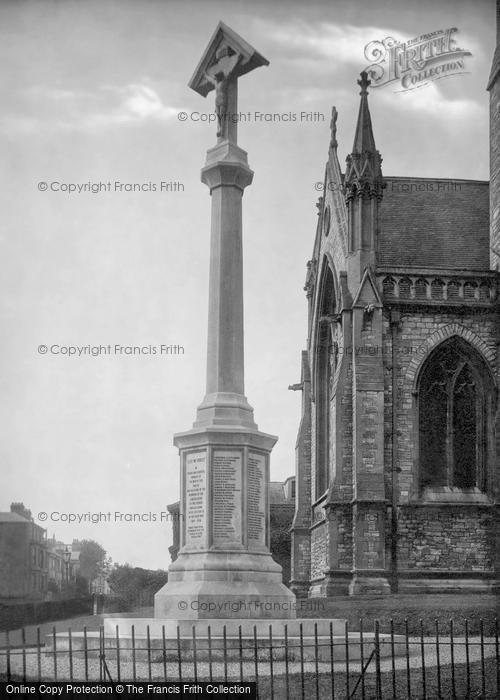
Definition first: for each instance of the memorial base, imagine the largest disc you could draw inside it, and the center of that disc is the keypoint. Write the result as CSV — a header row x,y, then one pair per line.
x,y
200,600
224,567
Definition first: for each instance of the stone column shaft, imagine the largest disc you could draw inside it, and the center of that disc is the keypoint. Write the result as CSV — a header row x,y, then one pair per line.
x,y
225,306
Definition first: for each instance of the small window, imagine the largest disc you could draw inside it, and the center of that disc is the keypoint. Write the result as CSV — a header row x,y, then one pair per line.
x,y
327,217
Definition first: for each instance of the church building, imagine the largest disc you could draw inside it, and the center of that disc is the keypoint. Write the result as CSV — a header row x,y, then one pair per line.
x,y
398,449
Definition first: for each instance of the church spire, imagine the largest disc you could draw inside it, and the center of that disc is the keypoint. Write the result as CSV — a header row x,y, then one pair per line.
x,y
363,186
363,173
363,139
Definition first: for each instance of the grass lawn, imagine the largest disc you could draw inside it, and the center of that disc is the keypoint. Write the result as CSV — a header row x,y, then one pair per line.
x,y
428,608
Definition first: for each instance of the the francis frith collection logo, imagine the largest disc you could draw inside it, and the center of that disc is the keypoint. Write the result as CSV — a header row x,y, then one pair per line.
x,y
415,62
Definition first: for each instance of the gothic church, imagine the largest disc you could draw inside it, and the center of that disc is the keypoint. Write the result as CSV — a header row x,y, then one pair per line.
x,y
398,449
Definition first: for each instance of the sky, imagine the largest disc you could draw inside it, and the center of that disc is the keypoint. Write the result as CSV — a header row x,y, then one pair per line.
x,y
91,92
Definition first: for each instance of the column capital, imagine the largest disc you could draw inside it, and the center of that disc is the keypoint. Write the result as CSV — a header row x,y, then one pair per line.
x,y
226,166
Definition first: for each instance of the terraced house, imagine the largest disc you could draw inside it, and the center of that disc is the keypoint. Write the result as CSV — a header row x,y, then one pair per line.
x,y
399,443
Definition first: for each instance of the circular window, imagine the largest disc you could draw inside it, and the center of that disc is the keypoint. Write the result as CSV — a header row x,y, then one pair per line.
x,y
326,221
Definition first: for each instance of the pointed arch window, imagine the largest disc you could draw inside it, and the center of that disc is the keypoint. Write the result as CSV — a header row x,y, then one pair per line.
x,y
454,403
326,360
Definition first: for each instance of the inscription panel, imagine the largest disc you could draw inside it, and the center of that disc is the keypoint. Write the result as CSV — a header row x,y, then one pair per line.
x,y
226,497
256,499
196,500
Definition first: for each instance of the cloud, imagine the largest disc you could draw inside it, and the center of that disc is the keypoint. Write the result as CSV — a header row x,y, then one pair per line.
x,y
334,45
137,102
47,107
431,100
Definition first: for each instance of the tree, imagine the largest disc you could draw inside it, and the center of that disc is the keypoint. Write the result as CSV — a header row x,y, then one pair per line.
x,y
136,585
92,559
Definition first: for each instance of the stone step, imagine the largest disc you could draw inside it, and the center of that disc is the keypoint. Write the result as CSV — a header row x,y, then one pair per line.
x,y
217,625
158,648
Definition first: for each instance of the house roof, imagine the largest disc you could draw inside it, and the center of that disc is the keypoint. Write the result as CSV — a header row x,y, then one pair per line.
x,y
430,222
13,518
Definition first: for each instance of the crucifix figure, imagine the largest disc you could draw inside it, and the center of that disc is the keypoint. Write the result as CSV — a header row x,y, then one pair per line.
x,y
219,75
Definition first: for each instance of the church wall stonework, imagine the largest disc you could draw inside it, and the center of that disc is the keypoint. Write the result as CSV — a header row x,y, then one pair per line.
x,y
319,549
450,539
414,330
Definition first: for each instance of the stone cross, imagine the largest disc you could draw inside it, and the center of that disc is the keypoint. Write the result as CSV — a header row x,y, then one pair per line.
x,y
224,567
226,59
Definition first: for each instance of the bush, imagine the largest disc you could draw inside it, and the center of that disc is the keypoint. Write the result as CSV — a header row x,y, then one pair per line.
x,y
30,613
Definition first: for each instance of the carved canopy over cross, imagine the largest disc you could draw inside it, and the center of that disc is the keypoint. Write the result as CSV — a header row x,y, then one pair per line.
x,y
226,53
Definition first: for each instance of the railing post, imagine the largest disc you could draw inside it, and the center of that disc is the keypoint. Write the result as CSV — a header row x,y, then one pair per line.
x,y
302,660
362,659
101,654
179,652
134,667
346,647
164,651
118,670
224,637
271,665
195,655
23,642
422,654
287,680
54,644
332,668
467,655
407,650
38,654
210,668
240,645
148,636
85,653
452,658
316,660
7,641
378,679
497,654
393,662
483,670
255,656
70,650
438,661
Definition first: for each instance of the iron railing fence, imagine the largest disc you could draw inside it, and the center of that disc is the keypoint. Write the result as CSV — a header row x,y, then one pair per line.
x,y
358,664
